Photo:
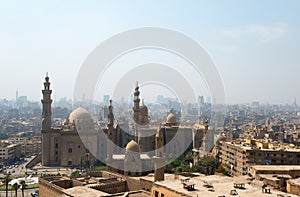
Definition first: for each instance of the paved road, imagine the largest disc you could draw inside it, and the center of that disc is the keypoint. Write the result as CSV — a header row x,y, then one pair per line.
x,y
27,193
20,170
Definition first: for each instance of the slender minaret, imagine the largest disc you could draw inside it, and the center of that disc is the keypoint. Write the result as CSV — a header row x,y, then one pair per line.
x,y
159,158
295,104
110,126
46,122
46,101
136,100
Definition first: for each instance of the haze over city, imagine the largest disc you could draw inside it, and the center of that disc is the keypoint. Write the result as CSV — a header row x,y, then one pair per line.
x,y
149,98
255,52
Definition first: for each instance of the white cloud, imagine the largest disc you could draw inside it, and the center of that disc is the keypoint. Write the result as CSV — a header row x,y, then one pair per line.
x,y
263,33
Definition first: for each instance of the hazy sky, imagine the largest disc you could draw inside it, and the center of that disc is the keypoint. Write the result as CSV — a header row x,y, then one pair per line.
x,y
254,44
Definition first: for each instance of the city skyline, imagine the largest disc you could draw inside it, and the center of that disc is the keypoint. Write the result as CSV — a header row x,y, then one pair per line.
x,y
255,51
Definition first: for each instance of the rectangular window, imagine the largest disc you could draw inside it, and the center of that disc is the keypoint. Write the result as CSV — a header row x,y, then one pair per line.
x,y
56,145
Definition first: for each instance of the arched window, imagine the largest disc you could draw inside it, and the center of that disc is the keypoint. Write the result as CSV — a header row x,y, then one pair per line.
x,y
70,150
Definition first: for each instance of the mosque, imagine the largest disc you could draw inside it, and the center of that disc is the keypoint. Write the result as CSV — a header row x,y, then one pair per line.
x,y
79,140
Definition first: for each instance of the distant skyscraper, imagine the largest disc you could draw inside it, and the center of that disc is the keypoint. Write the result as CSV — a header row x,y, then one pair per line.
x,y
17,95
208,100
200,100
106,99
295,103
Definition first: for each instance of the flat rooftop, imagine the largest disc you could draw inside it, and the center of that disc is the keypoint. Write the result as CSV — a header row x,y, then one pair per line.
x,y
222,185
276,167
83,191
247,146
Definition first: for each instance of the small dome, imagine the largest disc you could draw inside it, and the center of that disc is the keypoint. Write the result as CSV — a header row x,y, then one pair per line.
x,y
171,119
79,114
132,146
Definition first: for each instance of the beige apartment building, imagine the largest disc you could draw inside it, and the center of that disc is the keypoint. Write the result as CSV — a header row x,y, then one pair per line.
x,y
240,154
29,146
9,152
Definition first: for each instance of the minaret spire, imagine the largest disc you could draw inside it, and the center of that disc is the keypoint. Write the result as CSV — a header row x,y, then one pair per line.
x,y
110,134
46,101
110,114
159,158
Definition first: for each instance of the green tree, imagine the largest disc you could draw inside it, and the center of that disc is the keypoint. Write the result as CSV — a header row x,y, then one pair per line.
x,y
75,174
207,165
16,186
23,186
94,163
7,179
177,165
223,168
80,161
189,158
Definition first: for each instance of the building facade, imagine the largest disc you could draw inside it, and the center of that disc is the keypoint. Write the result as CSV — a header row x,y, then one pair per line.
x,y
9,152
240,154
62,145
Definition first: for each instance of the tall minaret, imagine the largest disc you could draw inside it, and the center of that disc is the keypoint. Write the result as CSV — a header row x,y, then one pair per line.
x,y
136,100
159,158
46,101
46,123
110,134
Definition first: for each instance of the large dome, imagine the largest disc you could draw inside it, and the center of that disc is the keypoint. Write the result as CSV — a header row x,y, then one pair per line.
x,y
132,146
144,110
79,114
171,119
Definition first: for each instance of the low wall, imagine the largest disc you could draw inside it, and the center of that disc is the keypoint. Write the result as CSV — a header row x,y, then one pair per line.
x,y
37,159
47,189
111,188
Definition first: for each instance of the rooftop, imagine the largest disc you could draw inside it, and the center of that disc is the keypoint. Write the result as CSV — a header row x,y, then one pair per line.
x,y
260,145
276,167
222,185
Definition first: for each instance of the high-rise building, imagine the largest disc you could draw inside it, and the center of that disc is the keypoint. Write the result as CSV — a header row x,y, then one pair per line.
x,y
106,100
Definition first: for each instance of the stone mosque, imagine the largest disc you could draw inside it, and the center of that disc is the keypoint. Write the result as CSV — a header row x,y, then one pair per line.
x,y
63,146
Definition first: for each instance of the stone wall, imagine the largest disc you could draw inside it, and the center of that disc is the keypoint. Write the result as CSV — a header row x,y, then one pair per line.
x,y
37,159
292,187
111,188
146,184
47,189
158,190
63,183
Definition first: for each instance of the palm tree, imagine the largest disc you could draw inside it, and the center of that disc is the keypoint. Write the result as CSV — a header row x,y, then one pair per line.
x,y
81,160
94,163
23,186
16,186
6,180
